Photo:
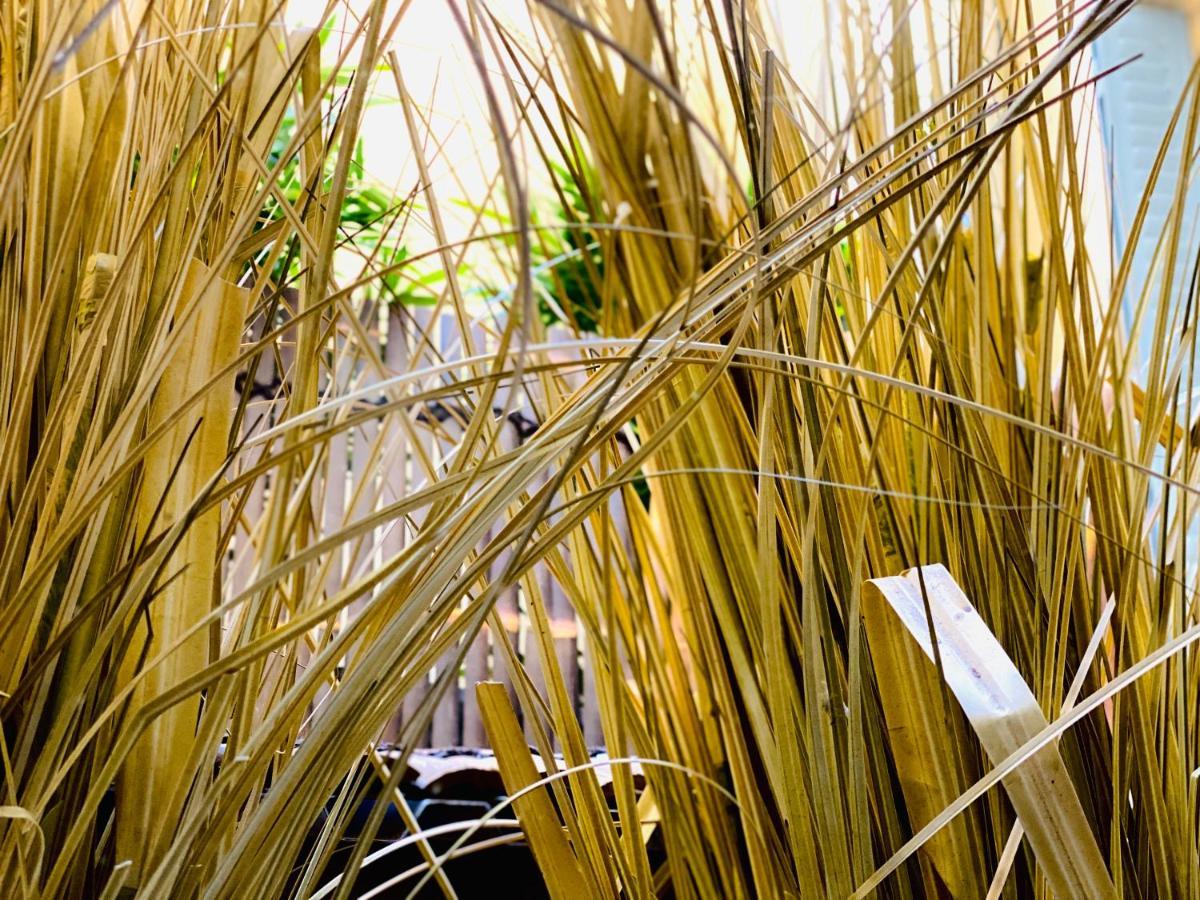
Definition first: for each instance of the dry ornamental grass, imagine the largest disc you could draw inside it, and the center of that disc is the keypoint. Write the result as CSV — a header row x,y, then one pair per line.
x,y
814,343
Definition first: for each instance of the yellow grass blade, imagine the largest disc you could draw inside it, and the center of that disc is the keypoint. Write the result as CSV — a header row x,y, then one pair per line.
x,y
939,619
539,820
209,318
929,743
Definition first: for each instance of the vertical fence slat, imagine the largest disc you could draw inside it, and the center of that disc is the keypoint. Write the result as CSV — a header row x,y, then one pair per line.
x,y
563,630
335,504
476,666
447,716
589,701
396,481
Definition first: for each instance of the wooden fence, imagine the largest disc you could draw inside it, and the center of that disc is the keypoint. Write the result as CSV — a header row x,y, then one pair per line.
x,y
378,472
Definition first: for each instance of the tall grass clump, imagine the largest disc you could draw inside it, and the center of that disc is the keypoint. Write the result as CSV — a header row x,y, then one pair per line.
x,y
814,341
